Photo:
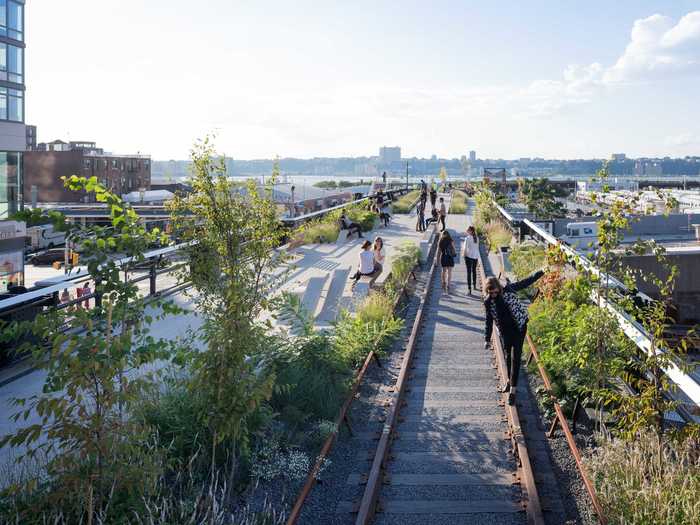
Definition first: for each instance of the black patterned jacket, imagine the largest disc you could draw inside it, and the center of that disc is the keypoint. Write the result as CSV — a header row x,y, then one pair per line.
x,y
507,311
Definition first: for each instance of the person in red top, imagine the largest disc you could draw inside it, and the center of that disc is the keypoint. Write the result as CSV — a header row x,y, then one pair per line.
x,y
86,291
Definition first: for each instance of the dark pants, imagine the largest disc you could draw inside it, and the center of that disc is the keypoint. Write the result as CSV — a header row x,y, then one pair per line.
x,y
354,228
420,224
430,221
471,272
385,218
442,221
513,350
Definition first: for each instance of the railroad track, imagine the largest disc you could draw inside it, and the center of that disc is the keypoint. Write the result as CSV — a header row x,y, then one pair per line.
x,y
450,448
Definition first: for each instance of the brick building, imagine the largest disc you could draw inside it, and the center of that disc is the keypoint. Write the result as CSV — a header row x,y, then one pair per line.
x,y
44,168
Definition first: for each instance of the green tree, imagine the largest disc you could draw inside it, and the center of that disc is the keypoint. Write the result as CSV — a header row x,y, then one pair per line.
x,y
39,217
541,198
443,176
95,362
233,267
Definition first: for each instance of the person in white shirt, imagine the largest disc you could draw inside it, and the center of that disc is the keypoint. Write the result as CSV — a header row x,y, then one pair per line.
x,y
470,252
366,265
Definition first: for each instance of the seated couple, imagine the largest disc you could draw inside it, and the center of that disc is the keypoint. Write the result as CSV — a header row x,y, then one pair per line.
x,y
371,261
352,227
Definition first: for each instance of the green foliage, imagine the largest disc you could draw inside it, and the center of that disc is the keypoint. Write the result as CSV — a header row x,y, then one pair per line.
x,y
39,217
540,197
239,233
405,202
527,259
96,374
326,229
404,260
459,202
373,328
321,232
332,184
647,479
497,235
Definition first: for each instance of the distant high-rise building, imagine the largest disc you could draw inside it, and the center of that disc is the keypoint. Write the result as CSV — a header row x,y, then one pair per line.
x,y
618,157
388,155
472,156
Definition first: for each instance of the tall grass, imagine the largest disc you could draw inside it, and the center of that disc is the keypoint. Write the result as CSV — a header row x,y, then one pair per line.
x,y
527,259
648,480
497,235
459,202
405,203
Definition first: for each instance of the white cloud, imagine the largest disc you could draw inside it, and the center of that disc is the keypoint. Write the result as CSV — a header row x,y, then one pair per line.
x,y
658,48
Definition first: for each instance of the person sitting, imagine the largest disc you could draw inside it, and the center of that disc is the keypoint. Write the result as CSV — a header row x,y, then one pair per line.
x,y
384,215
352,227
367,265
433,218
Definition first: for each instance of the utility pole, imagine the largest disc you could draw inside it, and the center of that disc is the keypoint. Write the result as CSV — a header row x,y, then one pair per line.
x,y
406,174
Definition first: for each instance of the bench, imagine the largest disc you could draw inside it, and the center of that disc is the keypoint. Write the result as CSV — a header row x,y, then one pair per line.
x,y
425,243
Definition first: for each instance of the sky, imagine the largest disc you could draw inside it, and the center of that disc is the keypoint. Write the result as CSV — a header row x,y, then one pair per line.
x,y
304,78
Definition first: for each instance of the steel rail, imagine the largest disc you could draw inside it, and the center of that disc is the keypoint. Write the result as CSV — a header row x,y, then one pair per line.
x,y
374,479
330,440
564,424
533,506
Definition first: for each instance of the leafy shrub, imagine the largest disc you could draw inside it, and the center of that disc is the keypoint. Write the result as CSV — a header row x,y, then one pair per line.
x,y
497,235
404,259
321,232
363,217
373,328
648,479
526,259
406,202
459,202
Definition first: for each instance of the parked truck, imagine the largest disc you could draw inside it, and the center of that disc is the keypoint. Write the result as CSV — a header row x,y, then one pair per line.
x,y
45,237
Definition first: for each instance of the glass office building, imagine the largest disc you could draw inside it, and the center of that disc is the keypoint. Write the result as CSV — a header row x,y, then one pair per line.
x,y
12,86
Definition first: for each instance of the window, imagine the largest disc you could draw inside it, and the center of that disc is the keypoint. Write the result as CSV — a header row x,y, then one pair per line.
x,y
574,233
11,105
15,19
15,64
12,19
588,231
114,164
86,163
10,183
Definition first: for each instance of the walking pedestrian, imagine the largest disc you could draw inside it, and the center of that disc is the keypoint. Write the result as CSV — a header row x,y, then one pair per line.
x,y
423,186
366,266
443,213
65,296
503,307
433,197
470,252
447,254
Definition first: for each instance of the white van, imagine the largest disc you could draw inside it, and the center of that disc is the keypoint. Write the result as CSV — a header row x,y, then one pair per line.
x,y
581,235
44,237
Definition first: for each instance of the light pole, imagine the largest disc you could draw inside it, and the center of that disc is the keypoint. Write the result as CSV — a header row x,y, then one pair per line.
x,y
406,174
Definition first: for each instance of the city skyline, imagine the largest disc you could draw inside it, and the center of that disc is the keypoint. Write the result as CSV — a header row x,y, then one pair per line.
x,y
508,81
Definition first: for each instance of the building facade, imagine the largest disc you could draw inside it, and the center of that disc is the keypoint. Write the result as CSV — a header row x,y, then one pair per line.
x,y
388,155
44,168
12,86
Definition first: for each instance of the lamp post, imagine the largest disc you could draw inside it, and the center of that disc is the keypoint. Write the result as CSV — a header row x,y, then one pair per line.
x,y
406,174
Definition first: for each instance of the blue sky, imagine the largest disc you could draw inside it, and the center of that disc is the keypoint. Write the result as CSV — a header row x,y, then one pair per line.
x,y
558,79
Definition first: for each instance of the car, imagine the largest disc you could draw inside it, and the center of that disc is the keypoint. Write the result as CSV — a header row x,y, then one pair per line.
x,y
48,257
